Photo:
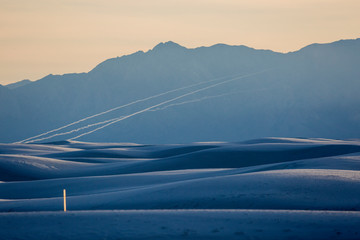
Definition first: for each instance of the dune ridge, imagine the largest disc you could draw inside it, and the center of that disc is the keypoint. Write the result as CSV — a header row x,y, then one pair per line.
x,y
306,180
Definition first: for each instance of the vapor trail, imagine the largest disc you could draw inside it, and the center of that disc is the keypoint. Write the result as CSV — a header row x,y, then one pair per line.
x,y
122,106
165,102
204,98
153,110
189,101
72,131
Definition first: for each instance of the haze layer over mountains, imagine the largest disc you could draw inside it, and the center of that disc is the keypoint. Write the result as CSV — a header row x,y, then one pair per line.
x,y
313,92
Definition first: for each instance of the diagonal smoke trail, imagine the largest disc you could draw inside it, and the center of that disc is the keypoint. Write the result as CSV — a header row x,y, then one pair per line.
x,y
165,102
189,101
72,131
152,110
122,106
205,98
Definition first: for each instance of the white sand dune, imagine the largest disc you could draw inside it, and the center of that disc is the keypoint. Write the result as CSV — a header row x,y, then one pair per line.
x,y
184,183
181,224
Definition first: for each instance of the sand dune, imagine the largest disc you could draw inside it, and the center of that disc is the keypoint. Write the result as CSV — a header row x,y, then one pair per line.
x,y
185,224
292,177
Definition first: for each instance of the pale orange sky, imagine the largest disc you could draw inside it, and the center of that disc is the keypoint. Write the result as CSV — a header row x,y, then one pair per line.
x,y
40,37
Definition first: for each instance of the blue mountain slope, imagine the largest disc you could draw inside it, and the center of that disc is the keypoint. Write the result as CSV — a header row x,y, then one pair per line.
x,y
309,93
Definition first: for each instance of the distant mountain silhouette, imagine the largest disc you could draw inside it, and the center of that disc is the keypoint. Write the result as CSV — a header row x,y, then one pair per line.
x,y
18,84
313,92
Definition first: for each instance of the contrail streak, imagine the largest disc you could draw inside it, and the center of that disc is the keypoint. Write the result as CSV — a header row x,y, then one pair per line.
x,y
165,102
122,106
72,131
205,98
152,110
189,101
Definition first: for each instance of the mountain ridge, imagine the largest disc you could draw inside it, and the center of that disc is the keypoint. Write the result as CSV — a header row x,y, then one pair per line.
x,y
164,45
309,93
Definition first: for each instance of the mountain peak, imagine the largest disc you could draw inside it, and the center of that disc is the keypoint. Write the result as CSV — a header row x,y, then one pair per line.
x,y
18,84
167,45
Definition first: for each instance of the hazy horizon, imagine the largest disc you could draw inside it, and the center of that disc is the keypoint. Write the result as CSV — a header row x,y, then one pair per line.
x,y
42,37
145,50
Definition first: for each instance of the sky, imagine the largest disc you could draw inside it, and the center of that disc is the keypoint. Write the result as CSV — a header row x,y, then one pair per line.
x,y
41,37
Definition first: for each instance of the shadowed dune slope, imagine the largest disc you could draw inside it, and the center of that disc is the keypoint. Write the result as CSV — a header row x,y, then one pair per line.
x,y
271,173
